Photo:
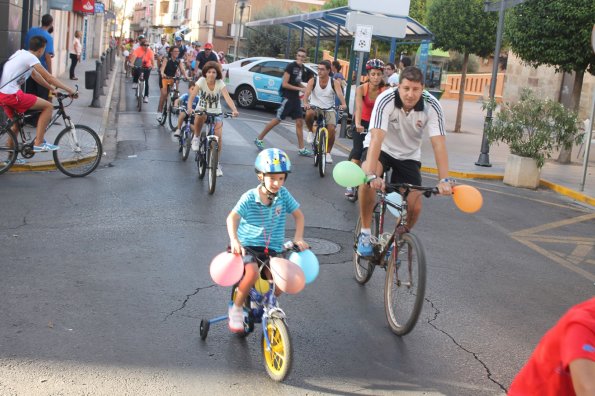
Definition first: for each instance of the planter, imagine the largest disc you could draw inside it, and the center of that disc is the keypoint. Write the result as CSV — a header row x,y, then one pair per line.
x,y
521,172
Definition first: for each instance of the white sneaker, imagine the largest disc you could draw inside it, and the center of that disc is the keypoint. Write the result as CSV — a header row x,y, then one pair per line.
x,y
178,133
329,159
134,86
146,99
195,144
310,137
159,119
219,171
236,318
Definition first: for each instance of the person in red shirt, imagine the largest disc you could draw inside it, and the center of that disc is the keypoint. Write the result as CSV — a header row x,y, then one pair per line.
x,y
142,56
563,362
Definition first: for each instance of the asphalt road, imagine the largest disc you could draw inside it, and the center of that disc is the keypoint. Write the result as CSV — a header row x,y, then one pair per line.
x,y
104,280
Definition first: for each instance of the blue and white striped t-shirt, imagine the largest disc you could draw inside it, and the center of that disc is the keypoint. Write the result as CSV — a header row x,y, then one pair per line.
x,y
260,222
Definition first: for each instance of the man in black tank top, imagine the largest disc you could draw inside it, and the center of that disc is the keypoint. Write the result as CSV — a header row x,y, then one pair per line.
x,y
291,105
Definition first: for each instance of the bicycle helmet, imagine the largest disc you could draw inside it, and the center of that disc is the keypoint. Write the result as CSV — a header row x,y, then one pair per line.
x,y
272,160
375,64
142,36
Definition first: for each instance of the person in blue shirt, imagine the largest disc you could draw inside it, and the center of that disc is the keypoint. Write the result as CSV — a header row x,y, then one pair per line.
x,y
47,26
257,222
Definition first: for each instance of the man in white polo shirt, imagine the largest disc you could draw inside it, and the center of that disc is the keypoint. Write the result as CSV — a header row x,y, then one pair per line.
x,y
400,118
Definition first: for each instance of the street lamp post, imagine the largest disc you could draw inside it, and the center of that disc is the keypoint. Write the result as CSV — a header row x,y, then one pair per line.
x,y
242,5
491,6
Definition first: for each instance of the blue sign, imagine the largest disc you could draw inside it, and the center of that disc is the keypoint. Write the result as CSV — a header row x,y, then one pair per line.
x,y
99,8
85,28
64,5
424,50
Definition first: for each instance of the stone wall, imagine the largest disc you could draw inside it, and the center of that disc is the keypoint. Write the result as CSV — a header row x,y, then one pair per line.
x,y
544,81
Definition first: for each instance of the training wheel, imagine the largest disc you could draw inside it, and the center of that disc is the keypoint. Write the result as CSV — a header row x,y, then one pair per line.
x,y
204,328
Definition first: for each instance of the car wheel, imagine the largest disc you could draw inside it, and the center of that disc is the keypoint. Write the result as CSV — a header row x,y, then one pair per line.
x,y
246,97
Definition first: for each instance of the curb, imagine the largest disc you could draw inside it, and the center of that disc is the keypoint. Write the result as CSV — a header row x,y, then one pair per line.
x,y
50,165
568,192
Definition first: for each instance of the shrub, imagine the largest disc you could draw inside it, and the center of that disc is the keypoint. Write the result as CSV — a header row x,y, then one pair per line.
x,y
534,127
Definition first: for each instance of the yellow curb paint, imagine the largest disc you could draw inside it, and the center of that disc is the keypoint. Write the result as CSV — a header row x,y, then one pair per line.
x,y
567,192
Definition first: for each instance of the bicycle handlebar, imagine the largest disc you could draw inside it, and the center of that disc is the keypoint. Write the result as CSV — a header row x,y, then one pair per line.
x,y
396,187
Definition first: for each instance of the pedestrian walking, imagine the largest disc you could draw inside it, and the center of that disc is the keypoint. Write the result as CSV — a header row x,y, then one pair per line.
x,y
291,86
75,53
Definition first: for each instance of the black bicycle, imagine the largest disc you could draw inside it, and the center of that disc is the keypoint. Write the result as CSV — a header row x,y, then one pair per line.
x,y
207,156
80,147
320,143
405,265
186,135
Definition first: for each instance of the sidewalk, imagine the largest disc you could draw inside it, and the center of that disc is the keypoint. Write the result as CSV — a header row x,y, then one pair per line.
x,y
79,112
464,149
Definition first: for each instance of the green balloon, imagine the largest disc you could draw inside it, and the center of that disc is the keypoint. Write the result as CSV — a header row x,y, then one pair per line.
x,y
348,174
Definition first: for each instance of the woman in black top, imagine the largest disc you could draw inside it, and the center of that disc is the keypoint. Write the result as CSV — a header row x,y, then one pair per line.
x,y
168,72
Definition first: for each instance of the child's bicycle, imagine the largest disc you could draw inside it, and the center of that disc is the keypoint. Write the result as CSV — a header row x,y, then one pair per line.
x,y
207,156
185,139
320,143
405,283
264,309
80,147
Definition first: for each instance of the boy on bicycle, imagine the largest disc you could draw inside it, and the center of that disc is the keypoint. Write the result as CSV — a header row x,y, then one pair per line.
x,y
257,222
320,92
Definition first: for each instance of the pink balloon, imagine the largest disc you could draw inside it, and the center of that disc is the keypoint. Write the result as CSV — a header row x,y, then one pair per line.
x,y
288,276
227,269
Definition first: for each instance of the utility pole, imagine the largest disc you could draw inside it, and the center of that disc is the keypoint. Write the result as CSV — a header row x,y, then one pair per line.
x,y
500,6
242,5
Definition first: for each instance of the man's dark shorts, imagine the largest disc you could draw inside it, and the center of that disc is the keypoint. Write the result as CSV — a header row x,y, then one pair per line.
x,y
404,171
290,107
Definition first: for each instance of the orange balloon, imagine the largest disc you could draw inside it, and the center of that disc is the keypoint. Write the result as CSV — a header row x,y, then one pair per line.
x,y
467,198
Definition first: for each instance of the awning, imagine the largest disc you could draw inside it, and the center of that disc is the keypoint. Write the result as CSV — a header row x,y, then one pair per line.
x,y
333,20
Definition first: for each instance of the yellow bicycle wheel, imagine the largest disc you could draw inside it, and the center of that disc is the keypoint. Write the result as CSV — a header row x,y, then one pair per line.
x,y
277,360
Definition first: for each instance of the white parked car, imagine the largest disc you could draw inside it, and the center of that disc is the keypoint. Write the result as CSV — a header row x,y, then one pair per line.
x,y
257,81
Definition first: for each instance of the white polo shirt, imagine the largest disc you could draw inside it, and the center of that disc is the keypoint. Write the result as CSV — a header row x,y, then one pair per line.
x,y
404,132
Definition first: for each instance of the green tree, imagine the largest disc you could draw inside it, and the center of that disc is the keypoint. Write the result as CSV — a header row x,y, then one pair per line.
x,y
555,33
269,40
334,4
463,26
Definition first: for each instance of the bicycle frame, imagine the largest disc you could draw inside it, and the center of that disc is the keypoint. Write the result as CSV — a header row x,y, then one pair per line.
x,y
404,189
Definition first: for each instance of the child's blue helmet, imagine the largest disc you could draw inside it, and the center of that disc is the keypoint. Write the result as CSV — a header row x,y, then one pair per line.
x,y
272,160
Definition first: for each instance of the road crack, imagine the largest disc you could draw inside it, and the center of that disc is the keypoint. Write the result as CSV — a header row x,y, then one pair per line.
x,y
188,296
475,356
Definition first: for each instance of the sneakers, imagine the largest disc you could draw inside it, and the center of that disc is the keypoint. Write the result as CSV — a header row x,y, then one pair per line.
x,y
349,192
178,133
310,137
195,144
259,144
134,86
329,159
160,118
236,318
146,99
219,171
45,147
364,246
305,152
18,161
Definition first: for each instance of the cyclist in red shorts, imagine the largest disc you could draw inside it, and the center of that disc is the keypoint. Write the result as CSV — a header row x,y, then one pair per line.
x,y
19,67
